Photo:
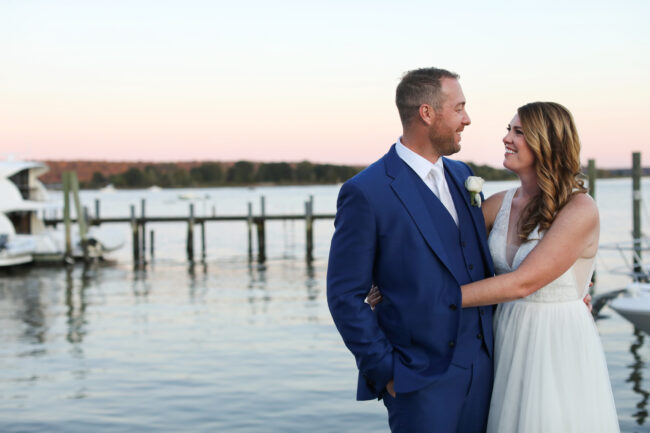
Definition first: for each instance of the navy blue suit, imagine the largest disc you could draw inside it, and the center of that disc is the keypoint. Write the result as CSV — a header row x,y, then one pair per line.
x,y
391,230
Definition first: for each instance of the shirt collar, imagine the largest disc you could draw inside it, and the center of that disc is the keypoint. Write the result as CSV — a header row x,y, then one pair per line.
x,y
420,165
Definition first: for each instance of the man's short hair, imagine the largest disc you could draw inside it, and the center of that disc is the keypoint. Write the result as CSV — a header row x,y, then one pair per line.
x,y
420,86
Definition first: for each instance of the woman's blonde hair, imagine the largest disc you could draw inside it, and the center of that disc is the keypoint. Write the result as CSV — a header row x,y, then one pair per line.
x,y
551,134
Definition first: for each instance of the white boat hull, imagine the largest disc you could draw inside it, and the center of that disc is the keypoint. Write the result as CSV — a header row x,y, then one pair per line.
x,y
636,308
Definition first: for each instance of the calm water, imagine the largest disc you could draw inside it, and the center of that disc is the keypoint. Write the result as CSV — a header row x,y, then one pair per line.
x,y
229,346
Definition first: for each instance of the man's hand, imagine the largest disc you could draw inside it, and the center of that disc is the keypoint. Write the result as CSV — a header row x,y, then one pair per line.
x,y
390,387
374,297
587,301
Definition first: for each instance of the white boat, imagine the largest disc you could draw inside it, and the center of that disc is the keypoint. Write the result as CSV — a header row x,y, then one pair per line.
x,y
23,234
108,189
635,307
635,304
22,196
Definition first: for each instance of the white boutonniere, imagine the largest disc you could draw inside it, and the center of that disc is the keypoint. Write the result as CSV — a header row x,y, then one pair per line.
x,y
474,185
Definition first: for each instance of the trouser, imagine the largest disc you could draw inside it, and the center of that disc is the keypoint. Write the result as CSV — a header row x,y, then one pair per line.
x,y
457,402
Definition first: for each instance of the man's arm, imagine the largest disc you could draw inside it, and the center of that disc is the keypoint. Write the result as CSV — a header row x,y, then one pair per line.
x,y
349,277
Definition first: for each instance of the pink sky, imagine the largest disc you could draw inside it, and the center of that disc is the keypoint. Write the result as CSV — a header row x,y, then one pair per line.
x,y
160,82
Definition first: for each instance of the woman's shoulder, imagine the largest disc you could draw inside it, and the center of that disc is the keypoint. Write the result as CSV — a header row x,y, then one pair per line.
x,y
491,208
493,202
581,204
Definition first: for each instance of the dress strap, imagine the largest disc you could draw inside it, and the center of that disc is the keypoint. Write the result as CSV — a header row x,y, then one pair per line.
x,y
506,205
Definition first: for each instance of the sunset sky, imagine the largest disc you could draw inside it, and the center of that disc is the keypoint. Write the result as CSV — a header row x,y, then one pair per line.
x,y
166,80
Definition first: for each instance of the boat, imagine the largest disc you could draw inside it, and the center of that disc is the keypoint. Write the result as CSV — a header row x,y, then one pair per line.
x,y
108,189
634,302
635,306
22,197
24,237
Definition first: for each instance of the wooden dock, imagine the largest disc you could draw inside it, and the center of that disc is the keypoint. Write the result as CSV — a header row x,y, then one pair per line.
x,y
140,239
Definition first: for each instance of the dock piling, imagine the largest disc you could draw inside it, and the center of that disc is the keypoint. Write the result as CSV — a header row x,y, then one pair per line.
x,y
309,228
73,184
592,174
636,213
143,204
66,216
190,235
249,223
261,244
151,243
203,241
95,222
135,236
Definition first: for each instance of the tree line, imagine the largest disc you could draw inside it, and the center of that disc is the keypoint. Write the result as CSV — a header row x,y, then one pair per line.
x,y
211,174
246,173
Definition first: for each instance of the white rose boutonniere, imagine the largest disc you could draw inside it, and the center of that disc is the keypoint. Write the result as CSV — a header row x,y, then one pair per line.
x,y
474,185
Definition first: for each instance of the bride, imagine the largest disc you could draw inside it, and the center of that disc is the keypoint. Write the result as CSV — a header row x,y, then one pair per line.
x,y
550,373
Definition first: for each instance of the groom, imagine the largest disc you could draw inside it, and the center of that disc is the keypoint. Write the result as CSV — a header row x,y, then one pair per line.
x,y
407,225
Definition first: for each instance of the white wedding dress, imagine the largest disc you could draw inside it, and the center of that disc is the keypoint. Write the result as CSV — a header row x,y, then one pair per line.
x,y
550,374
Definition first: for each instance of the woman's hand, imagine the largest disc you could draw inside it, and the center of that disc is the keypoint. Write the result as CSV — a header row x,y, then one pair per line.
x,y
374,297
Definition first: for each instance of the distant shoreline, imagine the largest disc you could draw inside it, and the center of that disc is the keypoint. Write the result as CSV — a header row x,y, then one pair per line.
x,y
207,174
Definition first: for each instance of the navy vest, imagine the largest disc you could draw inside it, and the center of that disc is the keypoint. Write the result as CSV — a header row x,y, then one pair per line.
x,y
464,253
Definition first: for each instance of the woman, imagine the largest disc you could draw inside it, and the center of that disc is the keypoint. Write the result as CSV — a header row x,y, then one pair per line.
x,y
550,372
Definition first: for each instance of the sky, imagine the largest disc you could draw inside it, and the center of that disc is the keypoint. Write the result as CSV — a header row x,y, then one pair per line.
x,y
282,80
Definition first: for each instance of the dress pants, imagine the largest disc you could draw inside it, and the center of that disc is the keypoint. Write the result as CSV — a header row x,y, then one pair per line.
x,y
457,402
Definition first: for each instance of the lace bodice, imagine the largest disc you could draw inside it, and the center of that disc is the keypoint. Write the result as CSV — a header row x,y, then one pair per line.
x,y
571,285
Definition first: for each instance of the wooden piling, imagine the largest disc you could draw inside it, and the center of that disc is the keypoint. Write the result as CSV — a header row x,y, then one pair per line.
x,y
190,235
74,187
636,213
151,249
309,228
591,173
249,223
66,216
261,244
97,217
135,236
203,241
143,230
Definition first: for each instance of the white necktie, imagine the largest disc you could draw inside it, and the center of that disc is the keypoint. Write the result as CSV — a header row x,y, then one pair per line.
x,y
439,188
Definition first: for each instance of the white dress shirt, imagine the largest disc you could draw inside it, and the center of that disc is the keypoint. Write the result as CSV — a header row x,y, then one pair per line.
x,y
433,175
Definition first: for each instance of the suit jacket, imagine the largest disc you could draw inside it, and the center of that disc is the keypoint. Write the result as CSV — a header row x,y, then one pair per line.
x,y
384,234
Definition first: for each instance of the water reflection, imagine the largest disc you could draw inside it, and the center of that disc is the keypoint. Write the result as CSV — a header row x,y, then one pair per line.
x,y
140,287
75,302
311,283
32,314
258,293
636,378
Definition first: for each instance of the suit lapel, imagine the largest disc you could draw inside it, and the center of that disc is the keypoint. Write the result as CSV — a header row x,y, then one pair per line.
x,y
403,185
475,212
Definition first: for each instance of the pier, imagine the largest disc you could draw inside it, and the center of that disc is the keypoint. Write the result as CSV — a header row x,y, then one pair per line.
x,y
255,223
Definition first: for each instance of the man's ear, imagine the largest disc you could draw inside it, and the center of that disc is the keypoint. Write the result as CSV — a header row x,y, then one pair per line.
x,y
427,114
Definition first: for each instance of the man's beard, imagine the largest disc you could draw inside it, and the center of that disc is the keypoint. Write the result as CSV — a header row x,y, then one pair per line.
x,y
444,140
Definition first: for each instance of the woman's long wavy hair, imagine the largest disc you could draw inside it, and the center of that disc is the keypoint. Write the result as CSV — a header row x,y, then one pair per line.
x,y
550,132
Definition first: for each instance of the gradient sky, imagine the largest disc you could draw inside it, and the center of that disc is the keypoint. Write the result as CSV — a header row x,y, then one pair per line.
x,y
292,80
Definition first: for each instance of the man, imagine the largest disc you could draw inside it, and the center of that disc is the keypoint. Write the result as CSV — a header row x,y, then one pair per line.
x,y
407,225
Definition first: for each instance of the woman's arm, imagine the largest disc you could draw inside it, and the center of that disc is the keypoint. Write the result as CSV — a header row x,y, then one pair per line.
x,y
490,209
573,234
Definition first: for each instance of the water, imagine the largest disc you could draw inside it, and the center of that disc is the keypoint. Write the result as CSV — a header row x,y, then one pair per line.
x,y
229,346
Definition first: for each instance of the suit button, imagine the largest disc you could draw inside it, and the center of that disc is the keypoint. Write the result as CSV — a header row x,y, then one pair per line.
x,y
470,266
481,311
453,307
452,343
463,244
479,336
